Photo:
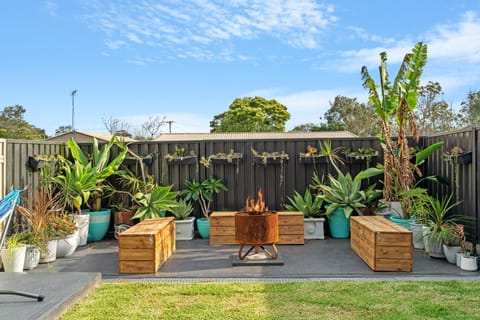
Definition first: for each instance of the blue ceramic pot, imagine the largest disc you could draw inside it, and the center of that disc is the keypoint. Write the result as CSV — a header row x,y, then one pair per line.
x,y
98,225
203,226
339,225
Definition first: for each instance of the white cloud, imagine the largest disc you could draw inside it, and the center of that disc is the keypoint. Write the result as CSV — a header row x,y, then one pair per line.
x,y
447,45
209,25
51,8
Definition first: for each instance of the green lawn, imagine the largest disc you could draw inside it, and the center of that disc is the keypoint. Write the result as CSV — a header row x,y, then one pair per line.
x,y
293,300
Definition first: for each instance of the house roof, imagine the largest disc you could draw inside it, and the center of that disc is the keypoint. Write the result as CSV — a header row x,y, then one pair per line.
x,y
254,135
84,136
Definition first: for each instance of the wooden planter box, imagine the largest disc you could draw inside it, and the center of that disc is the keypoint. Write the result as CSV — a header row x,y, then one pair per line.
x,y
222,228
381,244
187,160
146,246
461,159
312,160
235,159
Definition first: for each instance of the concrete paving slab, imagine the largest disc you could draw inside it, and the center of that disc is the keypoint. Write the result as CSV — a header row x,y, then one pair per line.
x,y
61,290
330,258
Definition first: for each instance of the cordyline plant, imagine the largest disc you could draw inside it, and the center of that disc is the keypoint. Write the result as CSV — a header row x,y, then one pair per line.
x,y
395,105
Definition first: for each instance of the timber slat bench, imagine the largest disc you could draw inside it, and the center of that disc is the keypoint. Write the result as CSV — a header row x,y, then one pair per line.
x,y
146,246
381,244
290,227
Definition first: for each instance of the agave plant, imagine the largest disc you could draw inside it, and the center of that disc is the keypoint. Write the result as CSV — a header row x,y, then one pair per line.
x,y
182,210
311,206
343,192
152,203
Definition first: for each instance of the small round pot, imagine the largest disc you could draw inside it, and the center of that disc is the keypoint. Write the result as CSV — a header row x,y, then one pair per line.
x,y
67,246
32,257
468,263
203,226
450,253
50,253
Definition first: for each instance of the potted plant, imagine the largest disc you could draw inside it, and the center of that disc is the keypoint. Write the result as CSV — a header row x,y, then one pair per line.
x,y
155,202
184,223
266,158
202,193
438,220
395,105
468,260
33,242
344,196
312,208
231,157
326,153
37,212
13,254
181,156
65,230
452,238
457,156
82,182
36,161
363,154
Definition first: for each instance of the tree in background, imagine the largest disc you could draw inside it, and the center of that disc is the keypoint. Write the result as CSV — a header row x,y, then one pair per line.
x,y
116,126
433,116
151,127
469,114
346,114
307,127
14,126
252,115
63,129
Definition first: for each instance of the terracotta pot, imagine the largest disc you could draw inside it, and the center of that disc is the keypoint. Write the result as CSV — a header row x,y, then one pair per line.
x,y
123,217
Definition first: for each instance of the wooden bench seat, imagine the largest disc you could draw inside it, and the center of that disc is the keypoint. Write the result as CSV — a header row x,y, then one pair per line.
x,y
381,244
146,246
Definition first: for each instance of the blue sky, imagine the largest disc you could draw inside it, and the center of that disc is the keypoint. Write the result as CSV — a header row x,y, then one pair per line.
x,y
188,60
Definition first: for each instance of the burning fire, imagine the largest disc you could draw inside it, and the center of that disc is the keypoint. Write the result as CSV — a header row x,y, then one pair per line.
x,y
257,207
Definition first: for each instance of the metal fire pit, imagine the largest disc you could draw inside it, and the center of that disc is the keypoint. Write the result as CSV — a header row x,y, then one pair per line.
x,y
256,231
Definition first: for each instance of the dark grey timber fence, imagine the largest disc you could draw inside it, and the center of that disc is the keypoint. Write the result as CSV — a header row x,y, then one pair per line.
x,y
276,182
19,175
467,176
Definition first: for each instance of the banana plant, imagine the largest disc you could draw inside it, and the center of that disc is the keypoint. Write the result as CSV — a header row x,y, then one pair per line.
x,y
83,178
395,105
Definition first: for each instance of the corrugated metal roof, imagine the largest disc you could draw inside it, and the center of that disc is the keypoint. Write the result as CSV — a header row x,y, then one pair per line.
x,y
254,135
100,136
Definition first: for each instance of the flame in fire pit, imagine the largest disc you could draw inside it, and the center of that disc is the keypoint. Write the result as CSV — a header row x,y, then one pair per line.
x,y
257,207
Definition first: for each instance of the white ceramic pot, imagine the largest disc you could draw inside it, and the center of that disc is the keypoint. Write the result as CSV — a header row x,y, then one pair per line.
x,y
417,235
392,209
32,257
184,229
426,232
50,253
83,221
468,263
313,228
67,246
13,263
450,253
459,258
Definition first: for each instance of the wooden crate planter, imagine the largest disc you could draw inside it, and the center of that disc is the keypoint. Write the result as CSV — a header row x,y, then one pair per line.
x,y
381,244
146,246
222,228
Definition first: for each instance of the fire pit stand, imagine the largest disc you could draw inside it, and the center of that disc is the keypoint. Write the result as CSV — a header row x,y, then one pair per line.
x,y
256,231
